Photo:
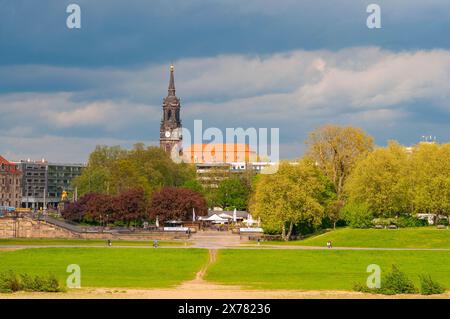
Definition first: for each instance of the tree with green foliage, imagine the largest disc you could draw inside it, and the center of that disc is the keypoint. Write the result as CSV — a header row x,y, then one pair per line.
x,y
428,179
126,174
357,215
195,186
290,196
336,149
93,180
233,193
334,211
113,170
378,181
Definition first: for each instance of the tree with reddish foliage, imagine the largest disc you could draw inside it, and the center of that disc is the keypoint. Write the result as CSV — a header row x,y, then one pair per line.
x,y
131,206
76,211
100,208
127,207
171,203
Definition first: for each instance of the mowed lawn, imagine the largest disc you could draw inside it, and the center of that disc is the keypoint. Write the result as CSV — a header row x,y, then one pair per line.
x,y
83,242
109,267
419,237
320,269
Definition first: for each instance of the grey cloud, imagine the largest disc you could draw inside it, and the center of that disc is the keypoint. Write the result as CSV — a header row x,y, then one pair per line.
x,y
391,94
57,148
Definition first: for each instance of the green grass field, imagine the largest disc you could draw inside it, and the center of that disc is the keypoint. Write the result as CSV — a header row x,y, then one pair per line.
x,y
84,242
253,268
256,269
103,267
320,269
420,237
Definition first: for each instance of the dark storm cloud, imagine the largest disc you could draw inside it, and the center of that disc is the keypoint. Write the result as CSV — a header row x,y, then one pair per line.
x,y
118,32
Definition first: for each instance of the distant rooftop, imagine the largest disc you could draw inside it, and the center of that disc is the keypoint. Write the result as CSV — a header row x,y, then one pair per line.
x,y
222,153
7,165
45,162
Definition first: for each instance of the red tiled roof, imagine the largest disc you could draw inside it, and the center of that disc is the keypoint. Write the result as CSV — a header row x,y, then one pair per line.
x,y
218,152
10,167
220,147
4,161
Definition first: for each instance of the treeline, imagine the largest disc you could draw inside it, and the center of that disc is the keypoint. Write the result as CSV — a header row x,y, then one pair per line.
x,y
344,179
129,187
394,181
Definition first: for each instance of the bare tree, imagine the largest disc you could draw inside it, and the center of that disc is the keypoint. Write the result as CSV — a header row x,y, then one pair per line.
x,y
335,149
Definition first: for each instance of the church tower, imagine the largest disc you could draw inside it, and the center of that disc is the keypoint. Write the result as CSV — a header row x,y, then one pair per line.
x,y
170,130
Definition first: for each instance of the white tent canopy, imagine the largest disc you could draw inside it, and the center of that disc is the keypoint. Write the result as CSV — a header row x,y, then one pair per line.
x,y
250,220
226,216
216,218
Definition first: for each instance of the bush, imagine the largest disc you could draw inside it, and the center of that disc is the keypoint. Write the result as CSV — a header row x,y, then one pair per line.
x,y
402,221
357,215
443,221
395,282
40,283
363,288
430,287
11,282
52,284
411,221
27,282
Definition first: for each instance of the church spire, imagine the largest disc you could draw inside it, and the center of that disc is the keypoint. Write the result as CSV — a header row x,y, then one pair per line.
x,y
171,82
171,129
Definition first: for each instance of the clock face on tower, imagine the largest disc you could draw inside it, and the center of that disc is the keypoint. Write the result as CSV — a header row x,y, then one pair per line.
x,y
167,134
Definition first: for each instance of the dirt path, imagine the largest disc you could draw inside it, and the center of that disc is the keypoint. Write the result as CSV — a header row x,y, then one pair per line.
x,y
199,284
208,292
212,253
